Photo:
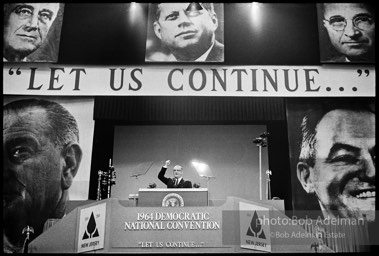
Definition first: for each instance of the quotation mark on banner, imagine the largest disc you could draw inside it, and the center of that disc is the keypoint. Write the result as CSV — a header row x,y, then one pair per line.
x,y
367,72
18,72
360,72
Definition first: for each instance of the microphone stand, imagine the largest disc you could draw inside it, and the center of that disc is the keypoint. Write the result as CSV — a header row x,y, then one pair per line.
x,y
208,180
268,186
261,142
100,173
260,172
27,230
106,179
111,177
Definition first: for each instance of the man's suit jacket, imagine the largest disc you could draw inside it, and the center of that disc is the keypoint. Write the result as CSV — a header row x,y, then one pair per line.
x,y
170,182
217,53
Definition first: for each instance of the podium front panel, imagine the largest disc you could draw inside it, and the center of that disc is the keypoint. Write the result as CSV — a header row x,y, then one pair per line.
x,y
173,197
118,228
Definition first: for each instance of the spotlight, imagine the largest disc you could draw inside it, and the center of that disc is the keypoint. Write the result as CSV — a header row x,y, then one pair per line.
x,y
200,167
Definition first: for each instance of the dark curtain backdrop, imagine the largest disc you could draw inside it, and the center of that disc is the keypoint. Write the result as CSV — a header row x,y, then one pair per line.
x,y
189,109
110,34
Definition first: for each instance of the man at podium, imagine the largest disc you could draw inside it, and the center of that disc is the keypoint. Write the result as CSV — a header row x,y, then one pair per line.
x,y
177,181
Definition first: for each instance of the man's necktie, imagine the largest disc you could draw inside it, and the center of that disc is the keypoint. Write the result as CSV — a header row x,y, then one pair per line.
x,y
176,182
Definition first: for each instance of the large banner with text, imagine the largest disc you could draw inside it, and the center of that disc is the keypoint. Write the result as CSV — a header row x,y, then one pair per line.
x,y
243,81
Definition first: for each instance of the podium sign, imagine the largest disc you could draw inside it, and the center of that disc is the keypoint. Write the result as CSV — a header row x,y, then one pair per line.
x,y
254,234
170,197
92,228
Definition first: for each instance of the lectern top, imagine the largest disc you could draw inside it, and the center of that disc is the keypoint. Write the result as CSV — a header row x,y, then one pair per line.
x,y
172,189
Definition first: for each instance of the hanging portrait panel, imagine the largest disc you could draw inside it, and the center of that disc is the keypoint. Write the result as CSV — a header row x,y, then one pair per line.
x,y
32,32
185,32
47,150
346,32
81,108
332,156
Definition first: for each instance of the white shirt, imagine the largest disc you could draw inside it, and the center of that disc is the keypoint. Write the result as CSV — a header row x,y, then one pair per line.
x,y
179,179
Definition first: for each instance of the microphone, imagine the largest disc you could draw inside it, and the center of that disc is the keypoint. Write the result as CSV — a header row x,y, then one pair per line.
x,y
262,139
152,185
196,185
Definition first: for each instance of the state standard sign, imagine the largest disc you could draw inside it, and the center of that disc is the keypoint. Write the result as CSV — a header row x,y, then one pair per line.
x,y
253,233
91,228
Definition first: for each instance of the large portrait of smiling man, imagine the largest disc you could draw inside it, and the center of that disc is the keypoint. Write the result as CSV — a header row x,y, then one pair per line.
x,y
332,156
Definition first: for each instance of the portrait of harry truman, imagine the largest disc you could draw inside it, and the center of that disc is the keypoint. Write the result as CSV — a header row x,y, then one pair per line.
x,y
346,32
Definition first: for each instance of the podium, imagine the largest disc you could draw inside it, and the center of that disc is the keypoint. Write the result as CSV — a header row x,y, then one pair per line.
x,y
156,197
112,226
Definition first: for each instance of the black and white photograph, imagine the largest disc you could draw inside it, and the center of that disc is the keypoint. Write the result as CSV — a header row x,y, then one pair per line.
x,y
332,147
185,32
32,31
189,128
346,32
48,143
